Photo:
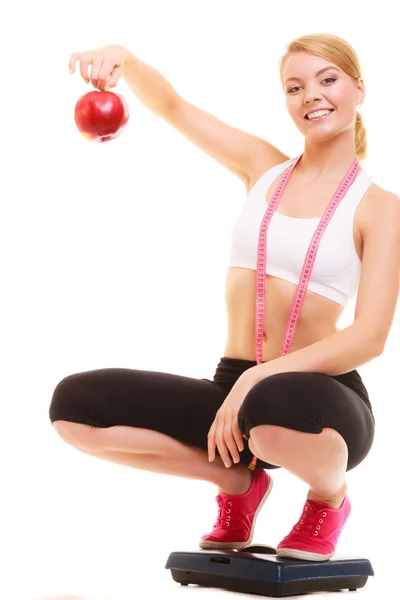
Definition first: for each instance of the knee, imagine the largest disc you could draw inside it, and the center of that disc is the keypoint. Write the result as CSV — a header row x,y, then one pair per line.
x,y
75,434
272,435
334,441
267,436
330,441
69,401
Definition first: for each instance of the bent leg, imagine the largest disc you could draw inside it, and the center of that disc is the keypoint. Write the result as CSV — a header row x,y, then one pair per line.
x,y
147,420
312,425
148,450
319,460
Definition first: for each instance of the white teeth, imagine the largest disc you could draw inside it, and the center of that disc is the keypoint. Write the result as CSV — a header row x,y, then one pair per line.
x,y
319,113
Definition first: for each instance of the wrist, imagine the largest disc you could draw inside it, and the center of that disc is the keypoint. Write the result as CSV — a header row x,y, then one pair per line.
x,y
246,380
130,60
254,375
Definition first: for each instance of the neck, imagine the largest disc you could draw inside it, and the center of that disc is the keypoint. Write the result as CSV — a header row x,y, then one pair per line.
x,y
327,160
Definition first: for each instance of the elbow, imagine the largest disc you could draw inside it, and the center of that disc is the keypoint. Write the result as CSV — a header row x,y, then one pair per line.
x,y
370,341
380,347
377,346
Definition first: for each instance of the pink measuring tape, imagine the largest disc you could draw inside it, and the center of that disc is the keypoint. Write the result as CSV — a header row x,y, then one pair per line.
x,y
307,266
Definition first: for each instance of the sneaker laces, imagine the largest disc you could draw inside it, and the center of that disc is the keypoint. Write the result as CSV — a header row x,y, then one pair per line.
x,y
310,522
224,510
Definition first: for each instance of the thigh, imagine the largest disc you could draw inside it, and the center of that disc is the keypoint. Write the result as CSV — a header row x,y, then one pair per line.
x,y
179,406
309,402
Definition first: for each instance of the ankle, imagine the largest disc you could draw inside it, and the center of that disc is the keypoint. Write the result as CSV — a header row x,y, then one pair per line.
x,y
236,481
333,499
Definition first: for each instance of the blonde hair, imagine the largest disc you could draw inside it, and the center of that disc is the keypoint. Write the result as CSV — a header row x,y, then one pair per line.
x,y
339,52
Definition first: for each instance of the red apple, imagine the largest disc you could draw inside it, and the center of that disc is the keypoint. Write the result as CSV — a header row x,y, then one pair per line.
x,y
101,116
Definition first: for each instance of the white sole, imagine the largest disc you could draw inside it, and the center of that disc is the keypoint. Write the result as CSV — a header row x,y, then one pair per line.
x,y
205,545
303,555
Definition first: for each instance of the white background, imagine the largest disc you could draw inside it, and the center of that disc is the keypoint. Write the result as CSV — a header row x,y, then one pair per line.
x,y
116,255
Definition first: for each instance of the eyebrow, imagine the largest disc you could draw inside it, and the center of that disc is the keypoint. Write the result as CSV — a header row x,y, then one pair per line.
x,y
319,73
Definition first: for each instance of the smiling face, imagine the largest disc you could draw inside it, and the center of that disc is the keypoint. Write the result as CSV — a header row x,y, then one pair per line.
x,y
312,90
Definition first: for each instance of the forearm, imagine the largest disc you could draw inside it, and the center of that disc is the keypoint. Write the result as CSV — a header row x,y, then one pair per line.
x,y
339,353
149,86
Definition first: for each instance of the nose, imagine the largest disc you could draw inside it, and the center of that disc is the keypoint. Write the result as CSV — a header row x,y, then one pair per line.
x,y
311,97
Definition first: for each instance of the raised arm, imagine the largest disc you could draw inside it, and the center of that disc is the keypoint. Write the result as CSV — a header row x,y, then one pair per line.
x,y
244,154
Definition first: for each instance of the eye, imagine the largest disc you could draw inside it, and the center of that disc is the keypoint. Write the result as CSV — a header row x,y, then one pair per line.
x,y
326,79
331,78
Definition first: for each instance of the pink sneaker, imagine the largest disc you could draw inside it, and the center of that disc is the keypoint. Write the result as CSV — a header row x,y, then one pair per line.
x,y
237,515
315,535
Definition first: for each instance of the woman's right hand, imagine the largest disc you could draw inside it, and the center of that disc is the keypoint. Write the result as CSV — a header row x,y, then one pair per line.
x,y
106,62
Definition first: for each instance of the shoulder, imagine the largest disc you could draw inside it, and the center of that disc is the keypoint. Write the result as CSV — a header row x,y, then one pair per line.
x,y
380,206
378,199
264,163
384,195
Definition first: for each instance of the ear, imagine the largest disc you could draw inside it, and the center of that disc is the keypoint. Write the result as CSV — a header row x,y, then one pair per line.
x,y
360,91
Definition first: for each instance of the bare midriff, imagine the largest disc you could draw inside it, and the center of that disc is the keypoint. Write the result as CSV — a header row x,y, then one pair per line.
x,y
318,318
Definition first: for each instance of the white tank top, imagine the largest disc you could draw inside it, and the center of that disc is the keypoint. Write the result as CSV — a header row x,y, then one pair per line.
x,y
337,268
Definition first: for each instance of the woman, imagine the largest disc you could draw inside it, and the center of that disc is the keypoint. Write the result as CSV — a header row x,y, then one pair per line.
x,y
308,410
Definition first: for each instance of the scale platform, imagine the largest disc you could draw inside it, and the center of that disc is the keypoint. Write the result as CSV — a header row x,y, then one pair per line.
x,y
256,569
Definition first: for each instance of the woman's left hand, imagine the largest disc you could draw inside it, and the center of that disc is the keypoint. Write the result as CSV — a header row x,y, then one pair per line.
x,y
224,432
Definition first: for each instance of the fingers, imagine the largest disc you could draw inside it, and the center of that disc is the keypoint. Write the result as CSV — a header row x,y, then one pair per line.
x,y
225,435
72,61
95,70
237,434
230,442
211,442
85,59
99,71
84,62
222,447
104,72
114,77
216,439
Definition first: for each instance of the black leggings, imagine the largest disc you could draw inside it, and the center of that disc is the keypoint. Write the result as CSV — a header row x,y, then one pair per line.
x,y
184,407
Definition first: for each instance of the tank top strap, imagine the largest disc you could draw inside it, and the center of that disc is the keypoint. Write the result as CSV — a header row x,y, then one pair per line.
x,y
349,203
264,182
356,192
